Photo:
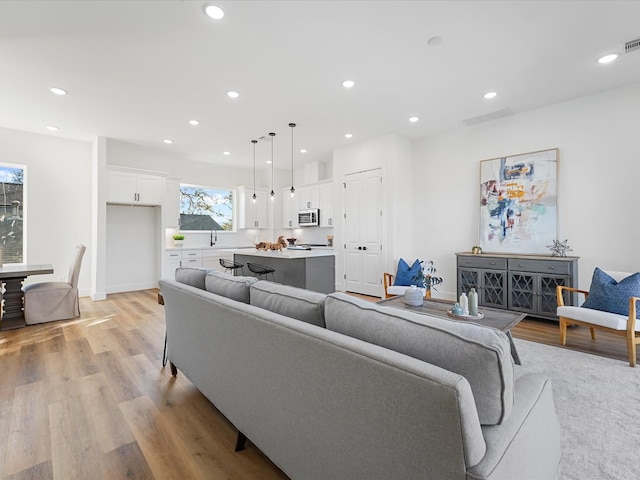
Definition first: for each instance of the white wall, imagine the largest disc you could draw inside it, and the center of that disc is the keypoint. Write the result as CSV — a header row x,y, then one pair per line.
x,y
599,170
58,200
392,154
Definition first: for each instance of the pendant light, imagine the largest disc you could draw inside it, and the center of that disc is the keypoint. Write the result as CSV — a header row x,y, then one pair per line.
x,y
292,190
272,194
254,199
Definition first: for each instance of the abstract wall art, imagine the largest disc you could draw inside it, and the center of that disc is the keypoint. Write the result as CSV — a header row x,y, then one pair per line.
x,y
518,203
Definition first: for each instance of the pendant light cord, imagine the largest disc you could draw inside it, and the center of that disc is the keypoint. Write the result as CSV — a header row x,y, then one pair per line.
x,y
272,134
254,169
292,125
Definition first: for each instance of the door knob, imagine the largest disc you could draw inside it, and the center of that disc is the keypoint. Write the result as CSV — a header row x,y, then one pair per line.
x,y
364,248
359,248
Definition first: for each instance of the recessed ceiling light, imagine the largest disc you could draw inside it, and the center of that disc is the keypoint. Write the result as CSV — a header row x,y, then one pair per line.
x,y
434,41
414,119
58,91
194,122
608,58
348,135
303,150
348,83
167,141
490,95
213,11
233,94
52,128
268,161
226,153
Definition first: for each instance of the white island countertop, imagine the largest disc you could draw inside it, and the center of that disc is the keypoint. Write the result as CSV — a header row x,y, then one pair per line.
x,y
286,253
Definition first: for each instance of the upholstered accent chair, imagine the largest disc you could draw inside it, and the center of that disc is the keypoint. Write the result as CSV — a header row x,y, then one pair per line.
x,y
624,325
50,301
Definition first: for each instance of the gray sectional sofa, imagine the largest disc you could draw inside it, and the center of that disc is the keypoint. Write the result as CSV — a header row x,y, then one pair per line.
x,y
333,387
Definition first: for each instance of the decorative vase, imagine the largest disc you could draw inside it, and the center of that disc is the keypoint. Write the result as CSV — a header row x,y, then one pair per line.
x,y
178,243
413,296
473,303
464,303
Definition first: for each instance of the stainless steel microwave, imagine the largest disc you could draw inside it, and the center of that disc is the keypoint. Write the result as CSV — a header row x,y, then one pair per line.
x,y
309,218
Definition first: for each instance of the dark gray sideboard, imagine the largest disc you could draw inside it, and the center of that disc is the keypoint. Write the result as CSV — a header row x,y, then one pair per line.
x,y
524,283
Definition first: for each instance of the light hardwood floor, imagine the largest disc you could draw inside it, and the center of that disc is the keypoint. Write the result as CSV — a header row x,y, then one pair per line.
x,y
89,399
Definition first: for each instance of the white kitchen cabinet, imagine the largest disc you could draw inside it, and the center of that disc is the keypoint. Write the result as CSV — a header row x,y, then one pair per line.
x,y
134,188
191,258
289,209
174,259
252,215
182,258
326,205
308,197
207,258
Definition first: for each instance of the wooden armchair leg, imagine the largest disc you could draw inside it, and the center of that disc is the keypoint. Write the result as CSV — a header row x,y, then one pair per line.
x,y
563,331
593,333
631,348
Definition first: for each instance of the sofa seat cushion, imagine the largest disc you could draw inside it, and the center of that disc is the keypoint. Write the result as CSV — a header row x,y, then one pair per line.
x,y
289,301
230,286
482,355
193,276
596,317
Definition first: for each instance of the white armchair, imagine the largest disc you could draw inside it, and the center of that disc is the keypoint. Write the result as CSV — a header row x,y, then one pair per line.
x,y
50,301
391,290
624,326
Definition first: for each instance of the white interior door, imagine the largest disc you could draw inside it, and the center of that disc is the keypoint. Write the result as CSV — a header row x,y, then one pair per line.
x,y
363,216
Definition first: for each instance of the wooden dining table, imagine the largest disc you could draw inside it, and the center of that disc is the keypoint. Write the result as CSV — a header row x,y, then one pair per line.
x,y
12,277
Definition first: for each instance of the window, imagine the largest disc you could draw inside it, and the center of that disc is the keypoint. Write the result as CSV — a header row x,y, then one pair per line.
x,y
11,213
205,208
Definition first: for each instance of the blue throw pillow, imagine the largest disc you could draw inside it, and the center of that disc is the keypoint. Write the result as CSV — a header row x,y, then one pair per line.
x,y
610,296
408,275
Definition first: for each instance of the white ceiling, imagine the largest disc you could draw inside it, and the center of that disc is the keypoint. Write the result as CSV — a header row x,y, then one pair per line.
x,y
137,71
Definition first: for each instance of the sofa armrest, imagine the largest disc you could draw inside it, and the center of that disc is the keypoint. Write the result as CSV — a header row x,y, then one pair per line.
x,y
527,445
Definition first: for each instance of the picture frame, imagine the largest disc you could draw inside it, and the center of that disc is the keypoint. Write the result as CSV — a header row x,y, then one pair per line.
x,y
518,203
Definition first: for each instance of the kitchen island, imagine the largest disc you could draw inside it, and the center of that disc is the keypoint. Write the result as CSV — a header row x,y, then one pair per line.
x,y
311,269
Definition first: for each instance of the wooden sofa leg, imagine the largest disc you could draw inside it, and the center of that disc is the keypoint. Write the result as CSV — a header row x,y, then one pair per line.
x,y
240,441
593,333
563,331
174,370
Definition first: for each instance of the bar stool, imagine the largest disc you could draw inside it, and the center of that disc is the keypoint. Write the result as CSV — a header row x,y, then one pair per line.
x,y
261,270
231,265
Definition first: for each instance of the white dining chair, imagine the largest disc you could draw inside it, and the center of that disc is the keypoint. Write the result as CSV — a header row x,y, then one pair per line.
x,y
50,301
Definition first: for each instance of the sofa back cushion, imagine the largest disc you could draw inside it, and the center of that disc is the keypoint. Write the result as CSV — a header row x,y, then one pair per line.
x,y
193,276
482,355
235,288
289,301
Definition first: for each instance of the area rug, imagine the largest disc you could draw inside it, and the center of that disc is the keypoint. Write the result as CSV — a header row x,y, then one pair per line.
x,y
598,405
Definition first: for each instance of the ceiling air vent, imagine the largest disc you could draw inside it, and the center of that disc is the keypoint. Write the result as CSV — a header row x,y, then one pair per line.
x,y
487,117
632,45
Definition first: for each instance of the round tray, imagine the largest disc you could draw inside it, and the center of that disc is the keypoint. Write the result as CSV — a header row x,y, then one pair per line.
x,y
465,317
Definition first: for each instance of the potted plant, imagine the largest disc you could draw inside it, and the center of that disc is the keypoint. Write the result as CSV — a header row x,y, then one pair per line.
x,y
426,278
178,238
